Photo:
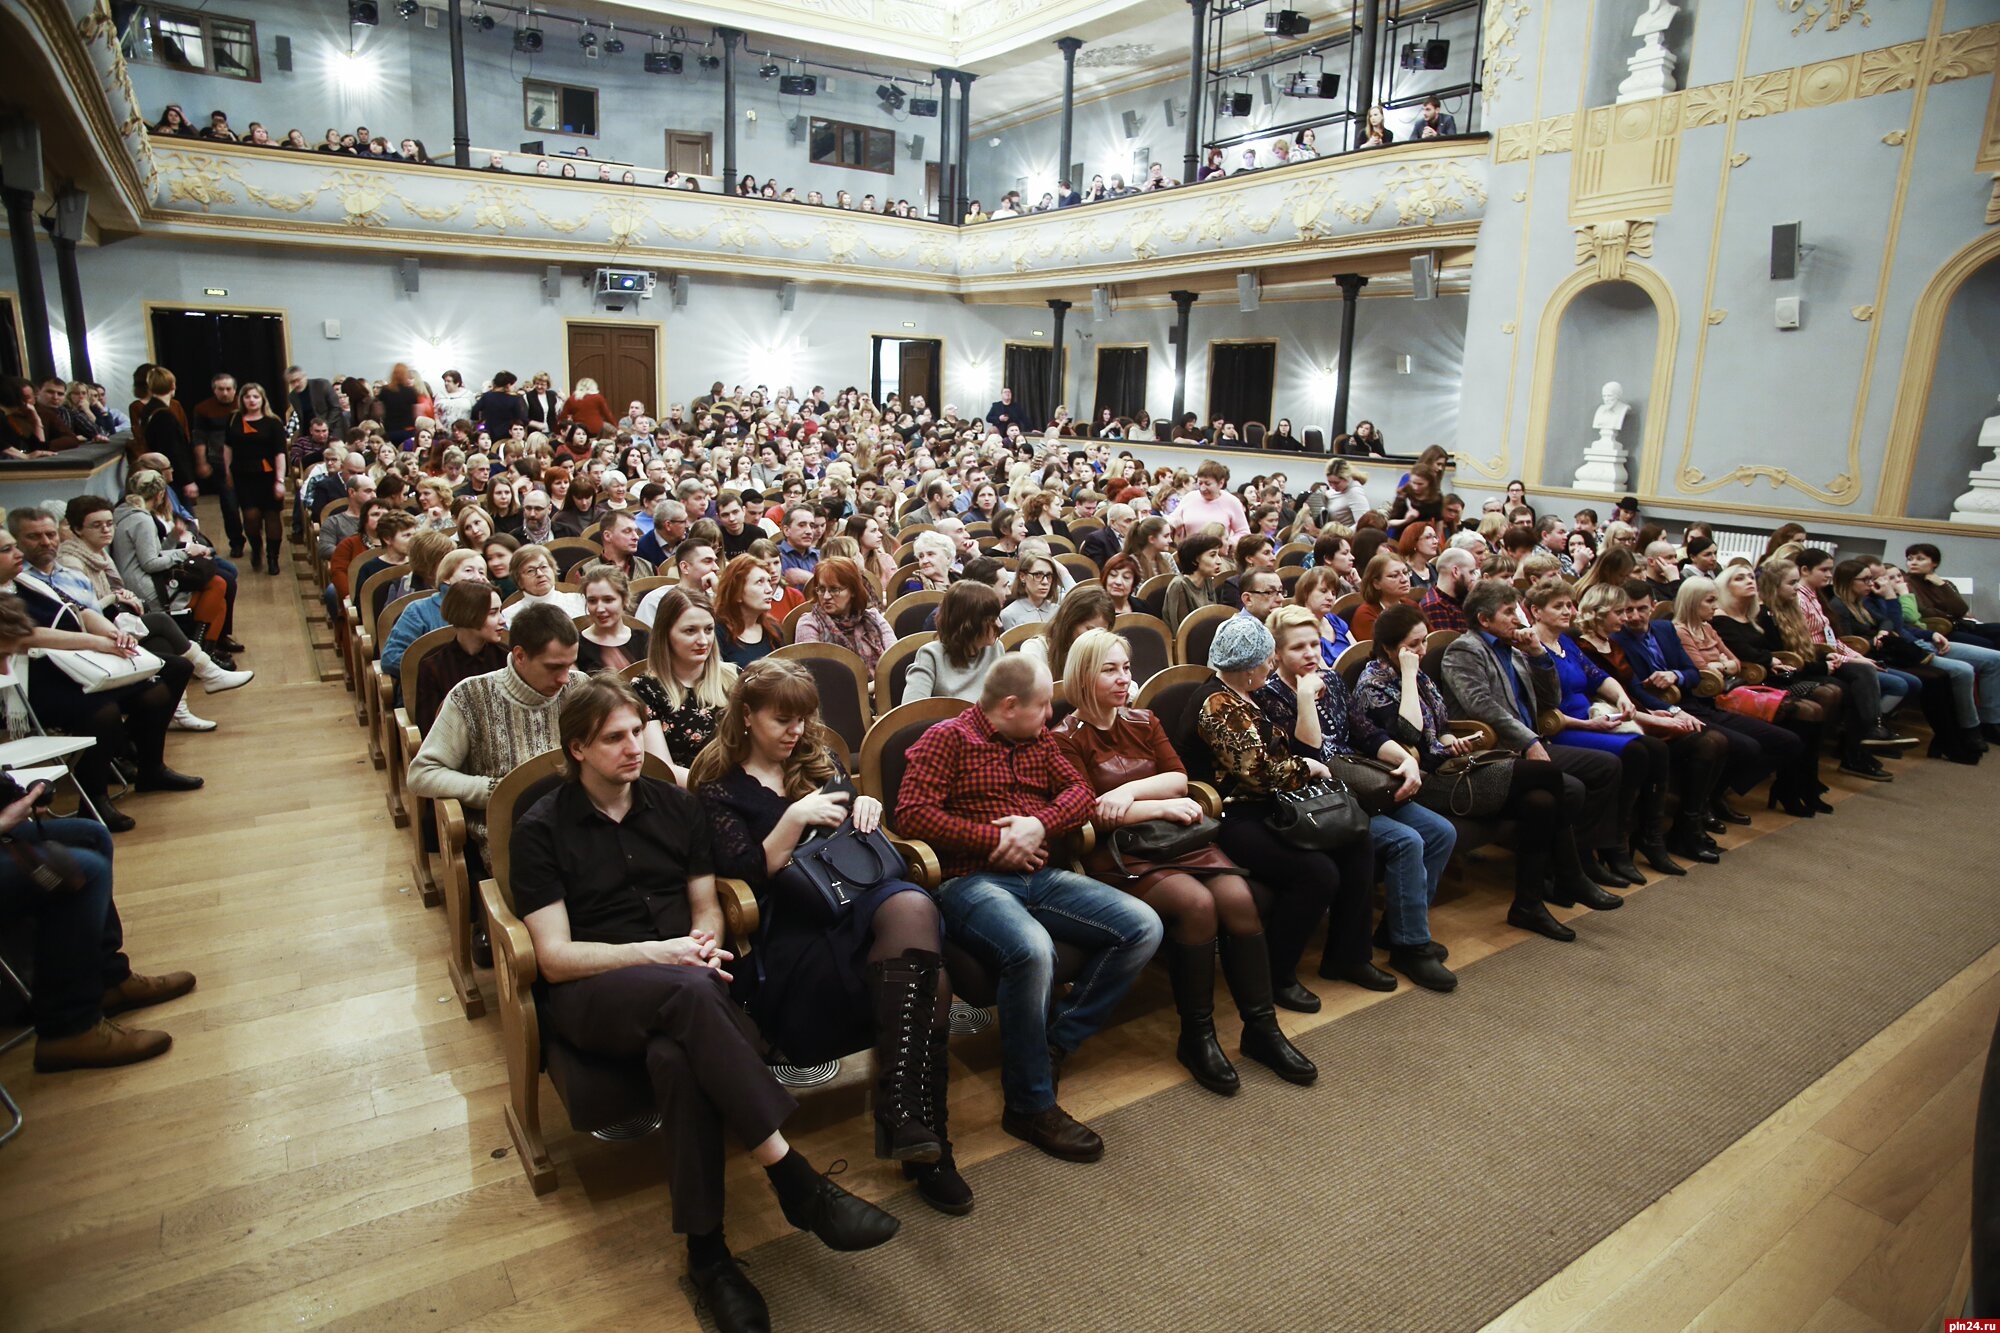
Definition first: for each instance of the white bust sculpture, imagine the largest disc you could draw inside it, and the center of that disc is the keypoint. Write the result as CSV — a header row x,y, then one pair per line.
x,y
1611,412
1651,67
1981,504
1654,21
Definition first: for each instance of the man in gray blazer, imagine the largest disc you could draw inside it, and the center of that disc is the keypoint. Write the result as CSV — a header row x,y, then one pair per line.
x,y
1498,672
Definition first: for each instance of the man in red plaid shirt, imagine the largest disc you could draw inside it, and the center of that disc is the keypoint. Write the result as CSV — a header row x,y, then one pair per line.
x,y
1444,605
988,790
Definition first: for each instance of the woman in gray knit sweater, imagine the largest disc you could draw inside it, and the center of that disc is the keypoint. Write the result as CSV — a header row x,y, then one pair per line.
x,y
954,665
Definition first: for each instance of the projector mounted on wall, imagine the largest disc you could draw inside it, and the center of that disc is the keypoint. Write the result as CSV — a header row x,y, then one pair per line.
x,y
615,286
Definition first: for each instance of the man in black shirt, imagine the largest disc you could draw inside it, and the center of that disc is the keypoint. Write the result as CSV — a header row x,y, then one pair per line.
x,y
1004,414
613,877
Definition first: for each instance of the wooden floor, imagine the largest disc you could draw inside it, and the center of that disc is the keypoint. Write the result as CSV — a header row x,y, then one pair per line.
x,y
324,1146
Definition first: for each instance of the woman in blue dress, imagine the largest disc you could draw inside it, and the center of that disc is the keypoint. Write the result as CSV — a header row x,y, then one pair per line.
x,y
1317,590
1642,792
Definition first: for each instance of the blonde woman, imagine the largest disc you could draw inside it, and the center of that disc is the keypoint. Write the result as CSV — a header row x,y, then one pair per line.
x,y
586,408
686,684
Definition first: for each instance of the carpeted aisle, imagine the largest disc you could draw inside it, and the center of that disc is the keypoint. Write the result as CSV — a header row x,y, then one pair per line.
x,y
1459,1150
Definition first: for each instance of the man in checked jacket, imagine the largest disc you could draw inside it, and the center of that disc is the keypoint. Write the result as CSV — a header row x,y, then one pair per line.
x,y
988,790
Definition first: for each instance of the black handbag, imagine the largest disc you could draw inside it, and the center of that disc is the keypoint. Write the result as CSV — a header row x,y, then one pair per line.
x,y
835,870
1470,786
1161,842
1322,816
1373,782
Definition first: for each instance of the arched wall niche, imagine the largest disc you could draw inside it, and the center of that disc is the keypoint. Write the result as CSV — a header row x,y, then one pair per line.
x,y
1595,331
1950,380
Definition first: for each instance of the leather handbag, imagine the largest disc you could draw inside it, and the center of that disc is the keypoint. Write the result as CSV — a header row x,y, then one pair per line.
x,y
1160,842
1469,786
834,869
1322,816
1373,782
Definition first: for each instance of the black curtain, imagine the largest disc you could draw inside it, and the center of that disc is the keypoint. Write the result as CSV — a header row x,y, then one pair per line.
x,y
1239,382
10,346
197,345
1121,383
1026,371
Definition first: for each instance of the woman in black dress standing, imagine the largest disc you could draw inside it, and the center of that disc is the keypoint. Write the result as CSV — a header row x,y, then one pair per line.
x,y
254,448
823,987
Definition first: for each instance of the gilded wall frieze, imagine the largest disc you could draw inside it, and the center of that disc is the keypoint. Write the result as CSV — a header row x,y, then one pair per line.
x,y
1612,243
1500,46
1966,54
1837,13
1766,94
1706,105
1993,203
1514,143
1842,490
1891,69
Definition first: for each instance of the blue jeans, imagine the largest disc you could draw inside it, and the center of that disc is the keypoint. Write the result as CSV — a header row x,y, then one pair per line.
x,y
1412,844
1012,922
1897,686
1968,665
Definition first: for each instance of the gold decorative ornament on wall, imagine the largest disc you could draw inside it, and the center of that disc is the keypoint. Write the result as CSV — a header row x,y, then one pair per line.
x,y
1717,316
1610,243
1837,13
1864,313
1738,159
1895,138
1508,328
1993,203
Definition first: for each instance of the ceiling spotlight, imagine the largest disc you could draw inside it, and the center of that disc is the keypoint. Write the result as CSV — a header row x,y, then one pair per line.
x,y
483,22
769,71
528,39
663,62
362,13
408,8
891,95
586,39
709,62
614,45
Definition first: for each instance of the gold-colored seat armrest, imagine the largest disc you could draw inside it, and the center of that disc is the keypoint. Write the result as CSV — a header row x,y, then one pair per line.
x,y
451,825
740,914
1752,673
1709,685
1481,734
923,862
513,947
1207,797
1792,660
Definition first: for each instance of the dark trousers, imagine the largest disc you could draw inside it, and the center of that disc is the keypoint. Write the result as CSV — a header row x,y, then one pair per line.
x,y
164,638
1756,748
78,938
1861,708
219,484
1304,885
702,1056
1593,810
136,715
1699,761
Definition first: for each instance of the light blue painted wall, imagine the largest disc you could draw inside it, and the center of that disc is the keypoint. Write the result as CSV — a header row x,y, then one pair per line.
x,y
1962,395
1606,332
401,85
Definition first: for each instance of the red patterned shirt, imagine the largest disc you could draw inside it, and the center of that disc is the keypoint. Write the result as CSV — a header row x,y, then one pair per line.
x,y
1443,612
963,775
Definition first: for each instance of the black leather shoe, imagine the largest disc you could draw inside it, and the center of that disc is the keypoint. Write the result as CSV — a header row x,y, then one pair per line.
x,y
1714,824
231,646
1367,976
1056,1133
1727,813
1202,1055
1655,852
165,779
841,1221
1265,1042
1431,947
1295,997
482,945
1535,917
114,819
1886,737
1619,862
1421,967
1587,894
1688,849
1868,772
1602,872
940,1185
734,1305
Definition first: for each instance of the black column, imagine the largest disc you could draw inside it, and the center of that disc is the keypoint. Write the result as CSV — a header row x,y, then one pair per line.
x,y
1183,306
1069,47
1056,377
728,36
74,323
461,125
1364,68
1191,162
1350,293
28,276
964,142
946,143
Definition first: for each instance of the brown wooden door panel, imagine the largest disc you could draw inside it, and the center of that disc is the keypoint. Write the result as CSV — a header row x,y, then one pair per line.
x,y
624,361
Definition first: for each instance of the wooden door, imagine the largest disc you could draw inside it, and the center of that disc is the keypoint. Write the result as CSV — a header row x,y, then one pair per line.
x,y
917,372
932,189
625,362
690,154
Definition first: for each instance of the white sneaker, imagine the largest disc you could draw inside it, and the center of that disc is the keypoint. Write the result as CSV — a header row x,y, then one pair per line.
x,y
218,681
185,720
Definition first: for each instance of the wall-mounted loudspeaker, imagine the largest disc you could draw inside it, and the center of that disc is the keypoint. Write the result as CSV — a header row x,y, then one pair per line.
x,y
1131,119
20,154
1100,304
1234,104
281,51
1246,292
1168,107
798,127
916,147
552,282
679,285
919,106
72,208
1423,277
788,296
411,269
1785,251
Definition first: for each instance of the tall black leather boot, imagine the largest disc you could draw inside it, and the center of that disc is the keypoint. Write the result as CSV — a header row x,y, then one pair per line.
x,y
905,991
1246,965
1192,967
